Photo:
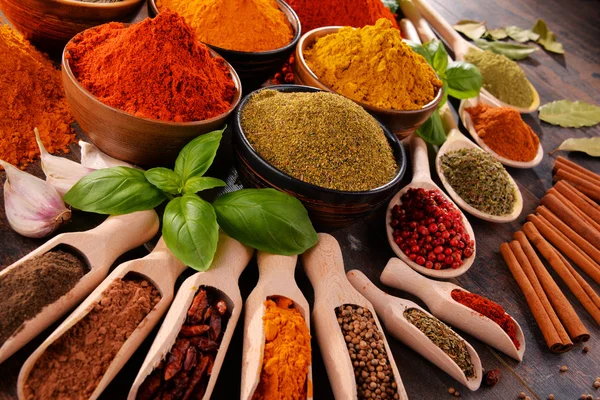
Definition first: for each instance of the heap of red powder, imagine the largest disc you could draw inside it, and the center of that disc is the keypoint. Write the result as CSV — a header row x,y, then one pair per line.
x,y
154,69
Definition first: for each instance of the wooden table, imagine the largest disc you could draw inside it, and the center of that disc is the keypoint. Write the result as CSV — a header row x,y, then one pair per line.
x,y
576,75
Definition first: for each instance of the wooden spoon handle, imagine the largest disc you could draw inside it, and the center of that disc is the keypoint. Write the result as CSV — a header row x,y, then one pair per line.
x,y
324,264
420,160
364,286
411,12
276,267
400,276
231,257
438,22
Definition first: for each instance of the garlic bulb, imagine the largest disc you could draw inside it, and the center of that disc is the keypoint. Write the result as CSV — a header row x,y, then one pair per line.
x,y
33,207
92,157
61,172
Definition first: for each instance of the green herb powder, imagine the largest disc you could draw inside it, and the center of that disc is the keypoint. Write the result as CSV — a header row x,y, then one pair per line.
x,y
479,180
502,77
320,138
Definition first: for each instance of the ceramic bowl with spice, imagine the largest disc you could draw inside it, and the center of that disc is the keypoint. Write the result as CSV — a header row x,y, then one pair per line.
x,y
400,122
51,23
332,200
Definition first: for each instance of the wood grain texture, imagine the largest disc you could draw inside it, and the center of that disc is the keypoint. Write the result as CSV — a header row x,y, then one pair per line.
x,y
573,76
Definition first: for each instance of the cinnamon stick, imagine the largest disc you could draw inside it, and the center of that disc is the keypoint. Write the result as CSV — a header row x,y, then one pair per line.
x,y
559,301
590,189
564,163
586,286
566,190
543,320
586,218
569,217
539,291
582,196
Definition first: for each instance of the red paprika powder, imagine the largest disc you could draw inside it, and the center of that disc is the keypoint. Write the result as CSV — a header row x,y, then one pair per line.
x,y
488,308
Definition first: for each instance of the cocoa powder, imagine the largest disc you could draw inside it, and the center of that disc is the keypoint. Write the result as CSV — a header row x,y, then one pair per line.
x,y
38,282
74,364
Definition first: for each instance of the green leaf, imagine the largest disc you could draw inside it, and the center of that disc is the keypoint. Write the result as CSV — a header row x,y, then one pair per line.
x,y
200,183
438,55
432,131
570,114
547,37
267,220
464,80
590,146
497,34
520,35
391,4
419,49
165,179
471,29
513,51
444,93
117,190
190,231
198,155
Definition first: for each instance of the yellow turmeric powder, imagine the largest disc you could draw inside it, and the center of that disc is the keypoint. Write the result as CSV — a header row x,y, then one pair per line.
x,y
242,25
287,353
373,65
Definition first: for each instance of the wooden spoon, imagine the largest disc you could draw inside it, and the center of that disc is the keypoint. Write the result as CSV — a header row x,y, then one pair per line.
x,y
391,311
422,179
276,279
100,247
229,262
161,268
437,296
325,268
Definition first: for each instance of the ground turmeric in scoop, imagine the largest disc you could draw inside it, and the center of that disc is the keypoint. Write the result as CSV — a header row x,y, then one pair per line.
x,y
286,355
373,65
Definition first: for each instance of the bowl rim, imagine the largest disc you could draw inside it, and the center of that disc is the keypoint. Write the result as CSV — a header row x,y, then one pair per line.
x,y
66,68
283,6
85,4
289,88
327,30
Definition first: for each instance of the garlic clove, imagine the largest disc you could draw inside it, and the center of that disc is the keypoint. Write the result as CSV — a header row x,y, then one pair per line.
x,y
33,207
92,157
61,172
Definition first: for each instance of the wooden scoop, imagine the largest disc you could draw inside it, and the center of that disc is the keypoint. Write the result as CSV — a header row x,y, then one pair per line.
x,y
229,262
100,247
325,269
391,311
276,279
437,296
422,179
161,268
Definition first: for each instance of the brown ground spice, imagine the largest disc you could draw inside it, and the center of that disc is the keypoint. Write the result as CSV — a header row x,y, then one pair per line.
x,y
36,283
73,365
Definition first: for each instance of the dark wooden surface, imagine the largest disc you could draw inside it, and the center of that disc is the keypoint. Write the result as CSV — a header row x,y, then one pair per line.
x,y
574,76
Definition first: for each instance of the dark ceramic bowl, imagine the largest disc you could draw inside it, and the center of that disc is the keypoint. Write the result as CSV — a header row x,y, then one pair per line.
x,y
328,209
254,68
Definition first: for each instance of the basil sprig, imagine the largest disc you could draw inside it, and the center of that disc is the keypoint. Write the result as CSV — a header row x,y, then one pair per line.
x,y
265,219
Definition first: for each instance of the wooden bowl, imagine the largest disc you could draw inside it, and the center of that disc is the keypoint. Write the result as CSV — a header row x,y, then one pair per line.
x,y
52,23
402,123
254,68
328,208
141,141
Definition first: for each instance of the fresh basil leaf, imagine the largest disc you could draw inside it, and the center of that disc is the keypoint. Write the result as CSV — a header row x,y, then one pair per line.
x,y
444,94
496,34
471,29
391,4
419,49
267,220
165,179
200,183
464,80
432,131
439,56
547,37
117,190
513,51
520,35
569,114
190,231
590,146
198,155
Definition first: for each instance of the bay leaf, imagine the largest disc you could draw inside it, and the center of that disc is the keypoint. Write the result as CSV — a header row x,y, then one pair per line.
x,y
520,35
514,51
497,34
590,146
471,29
569,114
547,37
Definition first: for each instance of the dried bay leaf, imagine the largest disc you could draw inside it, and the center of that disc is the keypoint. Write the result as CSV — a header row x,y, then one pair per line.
x,y
569,114
590,146
547,37
520,35
471,29
513,51
497,34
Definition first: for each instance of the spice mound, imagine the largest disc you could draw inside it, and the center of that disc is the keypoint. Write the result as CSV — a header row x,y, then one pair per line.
x,y
373,65
505,132
488,308
366,348
154,69
286,354
33,285
444,338
185,371
32,96
502,77
242,25
72,366
320,138
430,230
479,180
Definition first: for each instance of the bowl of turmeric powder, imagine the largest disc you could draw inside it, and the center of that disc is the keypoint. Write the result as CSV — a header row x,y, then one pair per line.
x,y
373,67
